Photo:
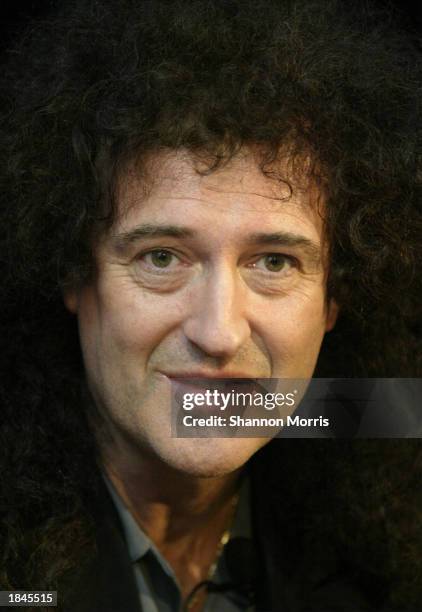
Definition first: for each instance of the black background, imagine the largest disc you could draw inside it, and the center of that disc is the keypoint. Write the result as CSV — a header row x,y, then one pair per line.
x,y
14,15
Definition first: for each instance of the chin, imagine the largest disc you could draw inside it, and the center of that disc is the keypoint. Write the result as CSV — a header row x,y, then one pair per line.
x,y
211,457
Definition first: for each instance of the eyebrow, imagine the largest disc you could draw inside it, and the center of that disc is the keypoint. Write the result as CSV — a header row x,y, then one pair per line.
x,y
122,241
288,239
125,239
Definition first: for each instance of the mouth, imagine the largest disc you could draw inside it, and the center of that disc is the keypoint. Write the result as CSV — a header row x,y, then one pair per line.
x,y
210,393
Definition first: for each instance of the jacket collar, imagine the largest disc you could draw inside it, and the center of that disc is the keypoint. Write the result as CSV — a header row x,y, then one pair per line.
x,y
108,584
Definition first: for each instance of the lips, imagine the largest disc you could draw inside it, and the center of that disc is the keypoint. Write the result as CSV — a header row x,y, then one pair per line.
x,y
210,392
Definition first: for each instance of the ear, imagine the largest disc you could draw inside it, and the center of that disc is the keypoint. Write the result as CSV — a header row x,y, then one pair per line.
x,y
333,310
71,299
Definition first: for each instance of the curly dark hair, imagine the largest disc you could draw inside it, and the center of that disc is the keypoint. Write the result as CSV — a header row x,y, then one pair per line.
x,y
100,83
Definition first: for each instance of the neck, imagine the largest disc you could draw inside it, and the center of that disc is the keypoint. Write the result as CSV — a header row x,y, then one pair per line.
x,y
184,515
168,504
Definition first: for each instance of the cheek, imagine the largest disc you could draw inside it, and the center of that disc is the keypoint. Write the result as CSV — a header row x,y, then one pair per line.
x,y
128,322
295,335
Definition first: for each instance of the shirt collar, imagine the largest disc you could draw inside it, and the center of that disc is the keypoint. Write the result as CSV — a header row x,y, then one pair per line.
x,y
139,543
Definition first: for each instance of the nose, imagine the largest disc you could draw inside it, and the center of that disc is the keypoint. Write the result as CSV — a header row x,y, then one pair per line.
x,y
217,323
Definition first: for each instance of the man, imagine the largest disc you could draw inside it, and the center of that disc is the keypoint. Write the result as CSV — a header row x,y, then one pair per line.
x,y
200,190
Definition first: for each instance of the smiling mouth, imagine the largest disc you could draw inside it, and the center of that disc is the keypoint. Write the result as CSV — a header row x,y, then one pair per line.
x,y
213,395
228,381
201,383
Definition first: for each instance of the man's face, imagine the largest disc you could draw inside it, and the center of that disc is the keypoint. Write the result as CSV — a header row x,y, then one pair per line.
x,y
203,276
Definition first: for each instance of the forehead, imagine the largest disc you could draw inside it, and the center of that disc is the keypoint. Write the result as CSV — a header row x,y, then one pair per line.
x,y
179,185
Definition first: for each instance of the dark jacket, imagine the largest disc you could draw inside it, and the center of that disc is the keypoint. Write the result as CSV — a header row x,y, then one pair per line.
x,y
287,579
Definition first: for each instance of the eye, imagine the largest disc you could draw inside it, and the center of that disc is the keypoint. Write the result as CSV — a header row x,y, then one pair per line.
x,y
161,259
158,259
274,262
162,269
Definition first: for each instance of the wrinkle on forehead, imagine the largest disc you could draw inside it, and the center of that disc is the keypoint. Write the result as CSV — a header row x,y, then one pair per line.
x,y
178,174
